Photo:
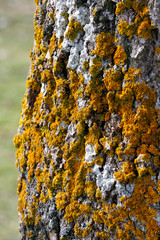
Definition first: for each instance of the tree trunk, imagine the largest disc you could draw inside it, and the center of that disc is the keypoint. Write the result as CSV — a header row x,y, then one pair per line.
x,y
88,138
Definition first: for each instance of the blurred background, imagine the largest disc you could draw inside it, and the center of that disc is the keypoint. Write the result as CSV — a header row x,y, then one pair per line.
x,y
16,41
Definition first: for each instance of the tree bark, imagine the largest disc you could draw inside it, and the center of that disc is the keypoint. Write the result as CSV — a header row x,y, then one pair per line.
x,y
88,137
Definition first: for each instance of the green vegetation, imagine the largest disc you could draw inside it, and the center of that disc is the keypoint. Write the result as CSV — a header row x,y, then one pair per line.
x,y
16,40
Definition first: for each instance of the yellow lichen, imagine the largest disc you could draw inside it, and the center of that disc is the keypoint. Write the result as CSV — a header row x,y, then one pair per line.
x,y
77,230
46,75
57,180
74,28
72,211
103,235
58,66
90,189
85,209
141,26
60,41
22,203
120,8
94,12
144,29
127,174
65,15
105,45
52,15
36,2
95,67
113,80
85,65
61,200
52,44
29,234
38,36
126,29
115,94
86,231
97,216
120,56
157,51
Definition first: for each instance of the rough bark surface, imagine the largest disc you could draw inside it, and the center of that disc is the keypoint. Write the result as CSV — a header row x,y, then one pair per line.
x,y
88,138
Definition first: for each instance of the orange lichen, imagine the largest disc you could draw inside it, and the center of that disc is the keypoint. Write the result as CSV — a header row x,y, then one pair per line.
x,y
103,235
52,44
46,75
126,29
85,65
74,28
97,216
38,36
127,174
85,209
90,189
113,80
95,67
61,200
141,26
36,2
157,51
105,45
120,8
65,15
29,234
120,56
57,180
22,197
144,29
132,74
94,12
58,66
60,41
134,141
72,211
52,16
